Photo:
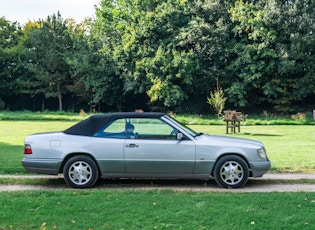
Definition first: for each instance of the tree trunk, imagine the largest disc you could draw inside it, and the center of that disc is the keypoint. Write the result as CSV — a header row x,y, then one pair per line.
x,y
43,103
59,97
119,106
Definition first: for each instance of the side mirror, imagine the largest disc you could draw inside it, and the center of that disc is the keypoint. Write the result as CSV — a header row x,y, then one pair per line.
x,y
179,136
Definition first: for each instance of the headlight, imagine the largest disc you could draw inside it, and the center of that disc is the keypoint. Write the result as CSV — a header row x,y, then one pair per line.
x,y
262,153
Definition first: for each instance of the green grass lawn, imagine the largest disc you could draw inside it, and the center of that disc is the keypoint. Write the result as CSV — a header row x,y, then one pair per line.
x,y
12,134
157,209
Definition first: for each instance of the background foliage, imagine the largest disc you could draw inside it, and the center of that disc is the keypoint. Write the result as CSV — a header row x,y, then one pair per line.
x,y
163,55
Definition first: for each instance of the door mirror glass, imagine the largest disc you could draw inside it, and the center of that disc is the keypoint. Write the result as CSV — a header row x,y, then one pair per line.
x,y
179,136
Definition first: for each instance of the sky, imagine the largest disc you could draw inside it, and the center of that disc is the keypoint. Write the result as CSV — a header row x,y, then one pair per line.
x,y
24,10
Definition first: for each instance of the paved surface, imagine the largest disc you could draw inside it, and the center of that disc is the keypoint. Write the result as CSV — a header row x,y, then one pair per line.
x,y
289,176
268,183
267,176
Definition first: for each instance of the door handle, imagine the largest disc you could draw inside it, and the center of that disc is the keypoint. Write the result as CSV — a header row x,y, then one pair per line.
x,y
132,146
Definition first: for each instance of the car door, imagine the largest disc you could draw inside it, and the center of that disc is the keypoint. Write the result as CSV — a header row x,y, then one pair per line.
x,y
154,149
108,147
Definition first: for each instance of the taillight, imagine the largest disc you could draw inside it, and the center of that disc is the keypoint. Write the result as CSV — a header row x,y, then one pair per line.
x,y
27,149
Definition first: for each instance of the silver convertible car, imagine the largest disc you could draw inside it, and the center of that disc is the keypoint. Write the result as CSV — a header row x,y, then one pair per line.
x,y
142,145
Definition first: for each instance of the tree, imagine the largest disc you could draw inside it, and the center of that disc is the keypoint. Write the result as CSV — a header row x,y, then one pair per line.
x,y
273,53
253,58
295,79
104,77
50,45
155,62
81,62
10,52
208,35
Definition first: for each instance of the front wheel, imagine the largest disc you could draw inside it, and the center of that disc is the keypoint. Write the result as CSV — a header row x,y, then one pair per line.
x,y
80,172
231,172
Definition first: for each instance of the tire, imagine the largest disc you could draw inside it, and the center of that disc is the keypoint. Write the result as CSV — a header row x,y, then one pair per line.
x,y
231,172
80,172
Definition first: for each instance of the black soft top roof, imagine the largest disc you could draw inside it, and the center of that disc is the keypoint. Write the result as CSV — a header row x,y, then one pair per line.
x,y
94,123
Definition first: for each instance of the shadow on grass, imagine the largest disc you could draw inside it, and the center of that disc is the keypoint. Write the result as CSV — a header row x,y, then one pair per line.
x,y
5,146
262,134
10,159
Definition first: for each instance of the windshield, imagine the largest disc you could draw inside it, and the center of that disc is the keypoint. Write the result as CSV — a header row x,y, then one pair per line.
x,y
184,127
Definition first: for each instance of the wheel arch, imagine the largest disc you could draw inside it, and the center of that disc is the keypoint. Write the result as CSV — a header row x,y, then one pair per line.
x,y
78,154
232,154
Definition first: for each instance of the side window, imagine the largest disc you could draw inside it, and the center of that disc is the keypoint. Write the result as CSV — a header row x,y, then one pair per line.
x,y
150,128
115,129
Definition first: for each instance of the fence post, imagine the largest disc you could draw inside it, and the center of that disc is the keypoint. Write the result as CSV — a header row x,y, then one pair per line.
x,y
314,114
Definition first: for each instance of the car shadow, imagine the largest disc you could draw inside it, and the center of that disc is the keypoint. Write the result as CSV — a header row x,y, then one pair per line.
x,y
152,183
174,184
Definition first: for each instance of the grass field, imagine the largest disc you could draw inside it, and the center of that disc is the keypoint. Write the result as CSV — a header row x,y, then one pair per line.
x,y
129,209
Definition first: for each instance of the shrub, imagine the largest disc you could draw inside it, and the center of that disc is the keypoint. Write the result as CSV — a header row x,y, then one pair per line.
x,y
217,100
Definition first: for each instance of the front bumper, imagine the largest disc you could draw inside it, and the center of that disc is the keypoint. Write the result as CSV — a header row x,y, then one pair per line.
x,y
42,166
258,169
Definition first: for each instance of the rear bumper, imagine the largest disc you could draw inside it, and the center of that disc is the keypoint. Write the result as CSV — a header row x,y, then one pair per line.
x,y
42,166
259,168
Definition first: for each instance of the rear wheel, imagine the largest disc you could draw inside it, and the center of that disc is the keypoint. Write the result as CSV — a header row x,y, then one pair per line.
x,y
231,172
80,172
